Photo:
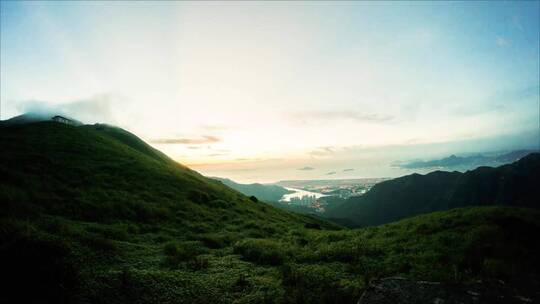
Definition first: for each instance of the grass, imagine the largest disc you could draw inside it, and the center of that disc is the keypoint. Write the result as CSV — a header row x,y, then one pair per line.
x,y
91,215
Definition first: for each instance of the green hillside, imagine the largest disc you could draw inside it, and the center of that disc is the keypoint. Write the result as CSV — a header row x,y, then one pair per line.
x,y
514,184
92,214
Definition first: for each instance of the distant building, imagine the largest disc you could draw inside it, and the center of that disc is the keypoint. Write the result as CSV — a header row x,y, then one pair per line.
x,y
64,120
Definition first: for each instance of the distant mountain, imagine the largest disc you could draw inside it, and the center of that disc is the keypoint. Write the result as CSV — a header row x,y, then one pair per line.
x,y
454,162
269,193
516,184
513,156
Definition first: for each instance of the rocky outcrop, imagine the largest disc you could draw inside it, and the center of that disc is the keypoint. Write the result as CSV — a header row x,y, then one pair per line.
x,y
400,290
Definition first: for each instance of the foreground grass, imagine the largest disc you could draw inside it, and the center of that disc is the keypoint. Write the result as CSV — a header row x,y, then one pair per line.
x,y
78,261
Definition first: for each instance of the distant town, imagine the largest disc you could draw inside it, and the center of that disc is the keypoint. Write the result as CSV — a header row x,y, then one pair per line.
x,y
319,195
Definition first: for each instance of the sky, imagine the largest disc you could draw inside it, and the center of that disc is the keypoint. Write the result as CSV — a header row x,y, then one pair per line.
x,y
266,91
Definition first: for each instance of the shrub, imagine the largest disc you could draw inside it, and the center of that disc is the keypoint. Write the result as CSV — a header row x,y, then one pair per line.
x,y
200,227
177,253
251,225
110,232
200,262
312,226
56,226
132,229
219,203
318,284
99,243
199,197
215,241
147,213
241,283
261,251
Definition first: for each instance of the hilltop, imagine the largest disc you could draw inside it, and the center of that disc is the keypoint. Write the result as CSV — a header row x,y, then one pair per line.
x,y
106,197
92,214
510,185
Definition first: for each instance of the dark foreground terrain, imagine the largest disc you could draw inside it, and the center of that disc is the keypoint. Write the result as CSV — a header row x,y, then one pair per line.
x,y
406,291
92,214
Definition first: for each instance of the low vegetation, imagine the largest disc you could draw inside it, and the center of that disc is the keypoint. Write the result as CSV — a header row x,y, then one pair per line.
x,y
90,217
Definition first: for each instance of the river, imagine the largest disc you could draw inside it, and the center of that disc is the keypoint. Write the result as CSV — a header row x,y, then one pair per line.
x,y
299,193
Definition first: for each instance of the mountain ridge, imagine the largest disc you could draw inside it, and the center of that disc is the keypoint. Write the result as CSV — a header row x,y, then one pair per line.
x,y
511,184
469,162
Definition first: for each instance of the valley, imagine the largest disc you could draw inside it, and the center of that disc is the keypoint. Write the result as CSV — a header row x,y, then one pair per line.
x,y
97,211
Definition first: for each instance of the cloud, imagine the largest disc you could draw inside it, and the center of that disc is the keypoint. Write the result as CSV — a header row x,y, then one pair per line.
x,y
322,151
216,127
516,23
413,140
217,154
306,169
501,41
357,116
331,173
95,109
348,170
206,139
499,101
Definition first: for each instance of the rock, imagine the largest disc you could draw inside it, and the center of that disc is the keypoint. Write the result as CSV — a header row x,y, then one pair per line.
x,y
405,291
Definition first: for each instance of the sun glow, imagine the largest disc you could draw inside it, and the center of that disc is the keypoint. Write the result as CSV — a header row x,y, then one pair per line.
x,y
250,85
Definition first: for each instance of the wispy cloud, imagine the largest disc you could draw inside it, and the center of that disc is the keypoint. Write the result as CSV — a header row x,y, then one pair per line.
x,y
306,168
322,151
206,139
249,159
306,116
348,170
331,173
516,23
217,154
216,127
499,101
501,41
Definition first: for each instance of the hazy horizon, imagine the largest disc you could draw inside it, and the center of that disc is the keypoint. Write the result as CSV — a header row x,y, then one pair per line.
x,y
268,91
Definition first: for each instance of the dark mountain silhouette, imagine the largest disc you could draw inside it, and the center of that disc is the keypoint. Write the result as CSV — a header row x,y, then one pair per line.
x,y
514,184
468,162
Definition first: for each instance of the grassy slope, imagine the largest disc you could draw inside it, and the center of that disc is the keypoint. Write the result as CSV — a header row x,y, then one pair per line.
x,y
511,185
92,214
